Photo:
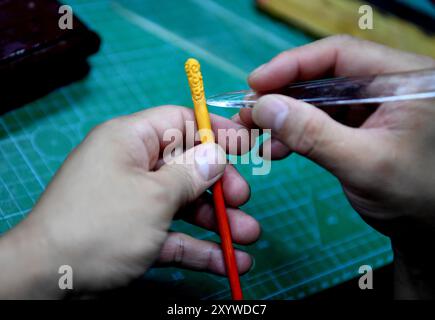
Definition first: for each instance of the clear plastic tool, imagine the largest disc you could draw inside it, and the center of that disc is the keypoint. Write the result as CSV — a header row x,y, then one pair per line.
x,y
412,85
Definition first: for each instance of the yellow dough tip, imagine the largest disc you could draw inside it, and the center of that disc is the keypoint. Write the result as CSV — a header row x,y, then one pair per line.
x,y
191,62
194,77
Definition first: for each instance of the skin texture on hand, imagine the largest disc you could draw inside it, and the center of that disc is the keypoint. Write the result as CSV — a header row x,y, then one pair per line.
x,y
107,211
386,166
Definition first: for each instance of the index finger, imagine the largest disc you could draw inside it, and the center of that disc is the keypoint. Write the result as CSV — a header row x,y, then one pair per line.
x,y
158,126
333,56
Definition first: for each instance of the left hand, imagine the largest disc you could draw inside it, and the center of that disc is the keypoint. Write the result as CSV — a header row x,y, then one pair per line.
x,y
107,211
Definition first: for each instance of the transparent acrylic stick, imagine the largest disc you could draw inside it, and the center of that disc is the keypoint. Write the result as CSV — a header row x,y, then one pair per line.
x,y
412,85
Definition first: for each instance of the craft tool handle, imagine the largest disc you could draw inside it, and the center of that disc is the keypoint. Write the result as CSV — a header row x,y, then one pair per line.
x,y
344,91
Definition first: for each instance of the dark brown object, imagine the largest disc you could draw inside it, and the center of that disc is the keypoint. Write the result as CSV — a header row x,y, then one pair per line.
x,y
36,56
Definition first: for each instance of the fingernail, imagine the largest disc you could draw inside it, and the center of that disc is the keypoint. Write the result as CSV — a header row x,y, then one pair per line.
x,y
270,112
210,160
257,71
241,257
235,117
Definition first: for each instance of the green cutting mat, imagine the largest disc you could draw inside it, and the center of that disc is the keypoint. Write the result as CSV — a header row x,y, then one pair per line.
x,y
311,238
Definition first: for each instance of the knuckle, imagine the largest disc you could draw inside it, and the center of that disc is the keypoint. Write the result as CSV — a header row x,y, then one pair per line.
x,y
159,190
110,124
285,54
308,136
212,256
342,38
179,248
384,166
107,128
181,177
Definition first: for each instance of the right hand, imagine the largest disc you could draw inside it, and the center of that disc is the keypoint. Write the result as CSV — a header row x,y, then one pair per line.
x,y
387,166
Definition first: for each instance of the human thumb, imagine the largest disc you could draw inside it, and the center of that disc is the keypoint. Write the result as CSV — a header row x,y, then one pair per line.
x,y
312,133
188,175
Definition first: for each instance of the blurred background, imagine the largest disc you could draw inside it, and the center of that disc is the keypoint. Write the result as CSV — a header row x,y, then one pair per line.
x,y
312,239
